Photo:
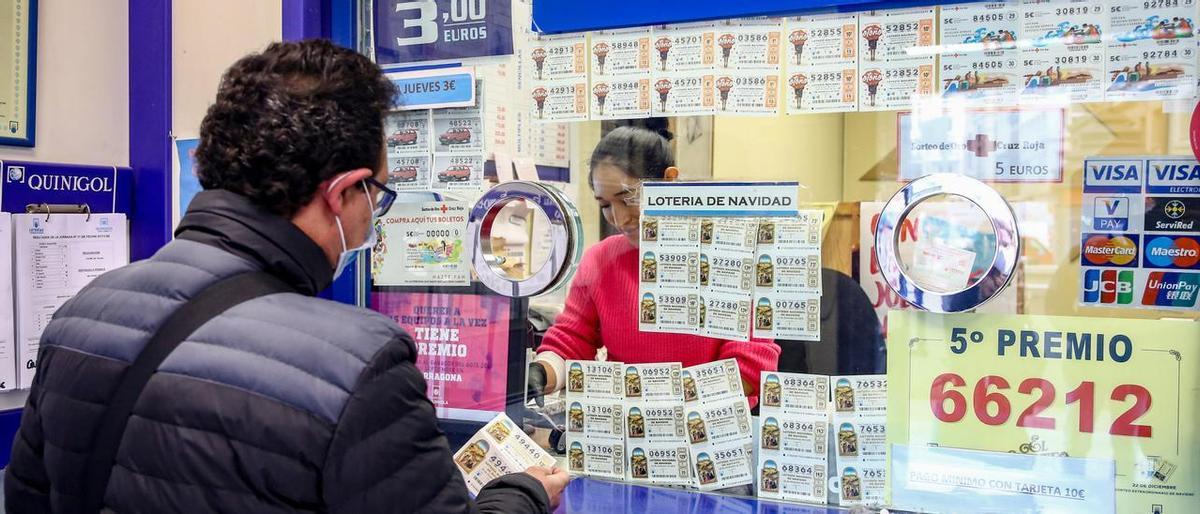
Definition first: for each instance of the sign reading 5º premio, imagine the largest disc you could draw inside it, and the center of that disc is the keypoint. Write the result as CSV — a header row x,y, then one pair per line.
x,y
1119,389
415,31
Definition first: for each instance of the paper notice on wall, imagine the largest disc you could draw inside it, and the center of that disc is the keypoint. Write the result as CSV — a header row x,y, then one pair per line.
x,y
980,63
8,347
896,63
1064,60
500,448
54,257
422,244
787,282
1151,51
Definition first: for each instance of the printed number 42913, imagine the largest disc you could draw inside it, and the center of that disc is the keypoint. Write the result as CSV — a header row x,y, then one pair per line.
x,y
950,406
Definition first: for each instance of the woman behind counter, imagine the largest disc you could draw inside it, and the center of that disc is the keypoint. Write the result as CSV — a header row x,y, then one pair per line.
x,y
601,308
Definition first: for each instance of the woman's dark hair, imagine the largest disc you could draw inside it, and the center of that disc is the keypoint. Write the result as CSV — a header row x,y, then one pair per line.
x,y
640,152
289,118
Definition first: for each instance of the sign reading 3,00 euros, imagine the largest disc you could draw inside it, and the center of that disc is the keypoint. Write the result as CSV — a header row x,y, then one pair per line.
x,y
1119,389
414,31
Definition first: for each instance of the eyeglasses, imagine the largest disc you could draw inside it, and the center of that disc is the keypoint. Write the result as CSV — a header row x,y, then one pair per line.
x,y
383,200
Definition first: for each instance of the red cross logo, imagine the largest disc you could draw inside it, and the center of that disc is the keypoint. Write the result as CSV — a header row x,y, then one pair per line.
x,y
981,145
444,208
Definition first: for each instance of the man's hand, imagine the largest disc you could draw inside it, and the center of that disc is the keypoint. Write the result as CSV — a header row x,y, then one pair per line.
x,y
554,479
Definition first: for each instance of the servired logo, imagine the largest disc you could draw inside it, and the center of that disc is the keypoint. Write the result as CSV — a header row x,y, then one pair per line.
x,y
1108,286
1110,250
1172,252
1168,289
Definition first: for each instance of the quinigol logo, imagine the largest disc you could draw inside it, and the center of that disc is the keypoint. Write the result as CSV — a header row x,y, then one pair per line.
x,y
1106,250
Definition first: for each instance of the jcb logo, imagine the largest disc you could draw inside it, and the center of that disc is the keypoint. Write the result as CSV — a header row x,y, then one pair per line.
x,y
1108,286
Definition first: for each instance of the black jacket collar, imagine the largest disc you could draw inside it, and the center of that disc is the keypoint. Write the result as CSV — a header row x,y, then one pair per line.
x,y
231,222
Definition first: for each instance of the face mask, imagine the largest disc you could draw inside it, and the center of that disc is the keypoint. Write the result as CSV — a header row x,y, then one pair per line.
x,y
349,254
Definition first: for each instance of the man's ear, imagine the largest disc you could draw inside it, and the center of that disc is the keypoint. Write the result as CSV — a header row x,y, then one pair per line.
x,y
334,189
671,174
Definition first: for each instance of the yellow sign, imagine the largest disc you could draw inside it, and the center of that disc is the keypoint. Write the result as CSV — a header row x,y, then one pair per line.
x,y
1118,389
16,120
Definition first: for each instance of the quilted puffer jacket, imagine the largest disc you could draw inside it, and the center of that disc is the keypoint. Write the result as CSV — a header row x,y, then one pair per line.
x,y
285,403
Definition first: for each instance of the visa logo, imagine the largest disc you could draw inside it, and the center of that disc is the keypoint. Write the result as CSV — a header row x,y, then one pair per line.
x,y
1112,176
1177,175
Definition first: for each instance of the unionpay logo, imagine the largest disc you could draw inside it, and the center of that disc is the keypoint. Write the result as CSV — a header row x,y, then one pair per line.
x,y
1172,252
1116,250
1168,289
1111,213
1108,287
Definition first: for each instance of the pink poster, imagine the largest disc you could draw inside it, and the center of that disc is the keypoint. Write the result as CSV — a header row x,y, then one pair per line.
x,y
462,347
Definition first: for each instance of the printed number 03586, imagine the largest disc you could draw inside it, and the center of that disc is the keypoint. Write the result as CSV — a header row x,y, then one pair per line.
x,y
991,404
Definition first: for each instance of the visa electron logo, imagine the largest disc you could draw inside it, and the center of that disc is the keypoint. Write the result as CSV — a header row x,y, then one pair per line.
x,y
1174,176
1108,286
1111,213
1166,289
1110,250
1175,252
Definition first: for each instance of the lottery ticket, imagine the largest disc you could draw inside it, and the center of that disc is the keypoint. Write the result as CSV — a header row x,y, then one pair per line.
x,y
748,93
827,88
499,448
669,276
790,315
894,85
822,40
452,171
980,62
595,419
408,133
892,35
560,100
860,394
686,47
860,484
860,438
794,479
660,463
620,98
654,422
686,93
795,435
599,458
1151,50
794,393
720,437
594,380
558,57
1065,56
618,53
654,382
726,316
410,172
752,44
712,382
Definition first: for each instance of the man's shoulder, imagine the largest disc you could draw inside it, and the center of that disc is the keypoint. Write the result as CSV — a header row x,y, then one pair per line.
x,y
358,331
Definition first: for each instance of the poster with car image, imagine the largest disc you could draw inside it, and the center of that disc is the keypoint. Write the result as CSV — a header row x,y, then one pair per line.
x,y
458,131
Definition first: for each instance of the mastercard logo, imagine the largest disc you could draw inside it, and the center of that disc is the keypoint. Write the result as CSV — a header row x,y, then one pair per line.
x,y
1106,250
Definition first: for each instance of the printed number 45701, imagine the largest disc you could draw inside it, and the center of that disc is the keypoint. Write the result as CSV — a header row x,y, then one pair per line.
x,y
950,406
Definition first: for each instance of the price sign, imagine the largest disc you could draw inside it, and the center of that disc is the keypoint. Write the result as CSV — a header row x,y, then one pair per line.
x,y
1054,387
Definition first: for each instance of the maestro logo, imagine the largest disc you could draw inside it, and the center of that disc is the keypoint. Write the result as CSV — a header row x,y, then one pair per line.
x,y
1117,250
1172,252
1167,289
1108,286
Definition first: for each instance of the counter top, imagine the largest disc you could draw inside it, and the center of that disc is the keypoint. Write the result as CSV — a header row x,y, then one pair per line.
x,y
592,496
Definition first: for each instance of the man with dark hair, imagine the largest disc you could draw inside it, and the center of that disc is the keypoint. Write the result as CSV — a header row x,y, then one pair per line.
x,y
208,378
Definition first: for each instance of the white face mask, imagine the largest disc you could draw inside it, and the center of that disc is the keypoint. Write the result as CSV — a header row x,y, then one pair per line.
x,y
349,254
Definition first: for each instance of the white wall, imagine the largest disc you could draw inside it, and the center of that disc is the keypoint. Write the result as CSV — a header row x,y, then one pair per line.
x,y
209,36
82,84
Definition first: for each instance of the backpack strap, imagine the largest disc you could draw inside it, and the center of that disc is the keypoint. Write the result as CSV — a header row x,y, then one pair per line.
x,y
208,304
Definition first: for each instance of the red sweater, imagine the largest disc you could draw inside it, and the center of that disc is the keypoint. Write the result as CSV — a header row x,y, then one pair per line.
x,y
602,310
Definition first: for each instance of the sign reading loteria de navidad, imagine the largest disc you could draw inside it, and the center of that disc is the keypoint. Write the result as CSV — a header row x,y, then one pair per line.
x,y
720,199
1119,390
